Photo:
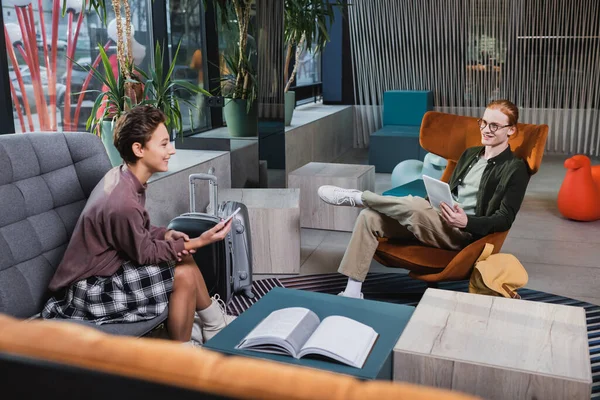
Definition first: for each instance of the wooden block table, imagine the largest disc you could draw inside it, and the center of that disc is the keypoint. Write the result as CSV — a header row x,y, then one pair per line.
x,y
495,348
274,225
315,213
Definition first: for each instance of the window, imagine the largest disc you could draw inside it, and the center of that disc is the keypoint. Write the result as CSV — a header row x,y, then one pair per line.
x,y
309,68
186,19
33,108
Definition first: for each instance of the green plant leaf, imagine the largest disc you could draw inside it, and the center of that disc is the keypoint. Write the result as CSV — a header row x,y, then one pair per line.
x,y
99,7
311,19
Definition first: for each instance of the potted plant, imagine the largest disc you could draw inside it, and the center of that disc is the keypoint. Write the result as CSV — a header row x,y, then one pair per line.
x,y
240,110
239,88
109,105
158,90
239,85
305,23
122,88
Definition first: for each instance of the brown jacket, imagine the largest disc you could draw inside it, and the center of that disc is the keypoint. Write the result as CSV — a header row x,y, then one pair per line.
x,y
114,227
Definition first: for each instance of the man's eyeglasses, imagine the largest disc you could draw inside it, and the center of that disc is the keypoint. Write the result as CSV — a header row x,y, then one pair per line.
x,y
493,126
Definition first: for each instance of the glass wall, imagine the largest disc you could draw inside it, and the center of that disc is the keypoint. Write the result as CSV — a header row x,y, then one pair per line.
x,y
228,33
48,78
309,68
186,26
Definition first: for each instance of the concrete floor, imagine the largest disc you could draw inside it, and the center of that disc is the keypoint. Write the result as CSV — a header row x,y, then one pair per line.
x,y
561,256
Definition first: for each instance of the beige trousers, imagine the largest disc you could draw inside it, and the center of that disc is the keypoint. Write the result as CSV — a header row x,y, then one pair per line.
x,y
396,218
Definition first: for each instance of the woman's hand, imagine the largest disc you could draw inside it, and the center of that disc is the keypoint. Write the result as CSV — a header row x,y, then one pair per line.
x,y
174,235
455,217
216,234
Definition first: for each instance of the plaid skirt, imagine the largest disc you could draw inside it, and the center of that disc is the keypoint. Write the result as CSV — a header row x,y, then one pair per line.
x,y
132,294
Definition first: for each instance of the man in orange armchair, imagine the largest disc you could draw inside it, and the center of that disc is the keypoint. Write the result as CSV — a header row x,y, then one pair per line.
x,y
488,183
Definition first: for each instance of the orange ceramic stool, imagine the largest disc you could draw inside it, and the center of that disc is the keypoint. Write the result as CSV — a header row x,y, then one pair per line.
x,y
579,195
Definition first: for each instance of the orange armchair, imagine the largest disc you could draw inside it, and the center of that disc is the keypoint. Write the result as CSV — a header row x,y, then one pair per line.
x,y
448,136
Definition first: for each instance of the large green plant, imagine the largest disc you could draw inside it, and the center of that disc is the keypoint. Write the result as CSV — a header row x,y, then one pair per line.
x,y
229,87
160,89
112,101
242,85
306,23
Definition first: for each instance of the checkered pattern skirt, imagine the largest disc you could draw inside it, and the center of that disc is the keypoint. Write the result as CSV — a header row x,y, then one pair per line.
x,y
132,294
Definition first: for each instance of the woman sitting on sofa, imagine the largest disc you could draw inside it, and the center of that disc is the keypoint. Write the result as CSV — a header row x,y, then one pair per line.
x,y
119,268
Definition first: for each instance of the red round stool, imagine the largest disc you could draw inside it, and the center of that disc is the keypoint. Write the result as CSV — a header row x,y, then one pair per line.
x,y
579,194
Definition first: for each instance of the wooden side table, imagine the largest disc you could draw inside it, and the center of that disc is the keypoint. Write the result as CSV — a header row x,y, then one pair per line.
x,y
314,212
496,348
274,225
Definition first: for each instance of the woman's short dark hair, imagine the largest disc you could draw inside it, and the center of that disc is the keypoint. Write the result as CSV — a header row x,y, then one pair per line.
x,y
137,125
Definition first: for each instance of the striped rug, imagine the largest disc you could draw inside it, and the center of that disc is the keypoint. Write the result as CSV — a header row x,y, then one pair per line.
x,y
401,289
240,303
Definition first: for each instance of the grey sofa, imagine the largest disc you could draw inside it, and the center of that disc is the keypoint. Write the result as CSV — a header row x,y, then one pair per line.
x,y
45,180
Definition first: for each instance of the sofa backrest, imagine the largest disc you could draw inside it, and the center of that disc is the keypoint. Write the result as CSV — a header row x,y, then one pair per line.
x,y
83,351
45,179
406,107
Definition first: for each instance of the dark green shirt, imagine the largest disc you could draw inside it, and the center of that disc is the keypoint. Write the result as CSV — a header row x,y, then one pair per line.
x,y
501,190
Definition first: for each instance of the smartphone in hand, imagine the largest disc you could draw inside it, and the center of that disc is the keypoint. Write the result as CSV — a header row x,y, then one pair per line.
x,y
232,215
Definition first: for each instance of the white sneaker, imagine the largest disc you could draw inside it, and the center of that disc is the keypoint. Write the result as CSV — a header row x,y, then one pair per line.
x,y
343,294
338,196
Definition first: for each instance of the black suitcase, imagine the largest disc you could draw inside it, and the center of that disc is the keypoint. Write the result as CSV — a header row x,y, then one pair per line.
x,y
226,265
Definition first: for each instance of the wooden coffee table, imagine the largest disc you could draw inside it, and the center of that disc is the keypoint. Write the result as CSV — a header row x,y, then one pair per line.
x,y
496,348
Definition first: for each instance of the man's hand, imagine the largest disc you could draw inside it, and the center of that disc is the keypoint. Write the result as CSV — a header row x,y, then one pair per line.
x,y
455,217
174,235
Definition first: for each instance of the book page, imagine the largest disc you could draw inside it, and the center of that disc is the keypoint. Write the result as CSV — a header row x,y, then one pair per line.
x,y
292,325
342,339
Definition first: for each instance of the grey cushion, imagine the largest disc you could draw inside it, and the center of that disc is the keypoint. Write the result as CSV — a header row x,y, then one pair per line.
x,y
134,329
45,180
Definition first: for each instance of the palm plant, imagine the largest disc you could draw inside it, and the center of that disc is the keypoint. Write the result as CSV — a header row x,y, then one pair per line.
x,y
244,79
305,23
112,102
160,89
229,83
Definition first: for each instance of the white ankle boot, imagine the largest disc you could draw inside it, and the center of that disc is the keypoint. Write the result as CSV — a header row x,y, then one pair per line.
x,y
214,318
344,294
197,330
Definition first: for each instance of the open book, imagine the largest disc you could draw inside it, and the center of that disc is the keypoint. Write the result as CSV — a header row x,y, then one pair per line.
x,y
298,332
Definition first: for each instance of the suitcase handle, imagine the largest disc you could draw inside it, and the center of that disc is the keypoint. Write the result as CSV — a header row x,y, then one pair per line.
x,y
212,189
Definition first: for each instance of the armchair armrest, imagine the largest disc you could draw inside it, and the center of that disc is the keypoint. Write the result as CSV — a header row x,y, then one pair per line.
x,y
462,264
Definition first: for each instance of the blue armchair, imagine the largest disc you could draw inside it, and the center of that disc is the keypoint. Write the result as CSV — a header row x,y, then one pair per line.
x,y
398,139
